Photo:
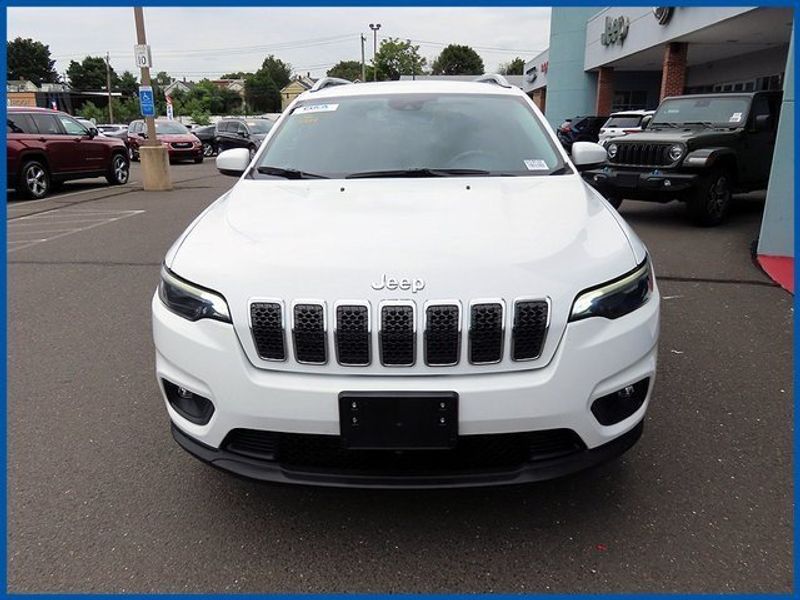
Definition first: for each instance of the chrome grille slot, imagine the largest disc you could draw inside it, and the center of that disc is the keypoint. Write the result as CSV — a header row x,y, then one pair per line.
x,y
309,334
397,335
442,335
352,335
266,320
486,333
529,329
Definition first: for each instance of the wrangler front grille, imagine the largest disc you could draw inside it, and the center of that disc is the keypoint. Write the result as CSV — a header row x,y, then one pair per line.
x,y
484,332
642,155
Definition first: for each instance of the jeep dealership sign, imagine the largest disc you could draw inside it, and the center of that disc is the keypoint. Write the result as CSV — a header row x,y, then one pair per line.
x,y
616,30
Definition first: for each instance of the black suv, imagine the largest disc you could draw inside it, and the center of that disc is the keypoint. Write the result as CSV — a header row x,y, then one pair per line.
x,y
579,129
242,133
699,149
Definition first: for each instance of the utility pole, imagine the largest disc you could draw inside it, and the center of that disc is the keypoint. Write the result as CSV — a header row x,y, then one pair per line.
x,y
363,64
413,63
153,156
108,87
375,28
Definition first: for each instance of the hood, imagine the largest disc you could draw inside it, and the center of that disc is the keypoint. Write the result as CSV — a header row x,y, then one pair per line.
x,y
693,137
176,137
466,238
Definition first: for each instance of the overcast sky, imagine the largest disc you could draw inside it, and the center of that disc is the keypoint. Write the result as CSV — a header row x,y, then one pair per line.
x,y
207,42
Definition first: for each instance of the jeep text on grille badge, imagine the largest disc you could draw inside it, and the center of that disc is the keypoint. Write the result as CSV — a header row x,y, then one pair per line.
x,y
404,283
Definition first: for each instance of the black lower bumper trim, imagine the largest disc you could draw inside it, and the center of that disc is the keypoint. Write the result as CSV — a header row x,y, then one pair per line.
x,y
543,470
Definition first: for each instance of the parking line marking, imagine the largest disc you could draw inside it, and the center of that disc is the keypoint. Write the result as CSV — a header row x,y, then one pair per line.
x,y
29,202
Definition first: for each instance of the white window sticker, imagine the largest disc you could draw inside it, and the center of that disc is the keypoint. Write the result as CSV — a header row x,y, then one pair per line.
x,y
735,118
536,164
315,108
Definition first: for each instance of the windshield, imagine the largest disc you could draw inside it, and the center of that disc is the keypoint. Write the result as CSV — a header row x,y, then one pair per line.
x,y
728,111
624,121
260,126
381,134
170,127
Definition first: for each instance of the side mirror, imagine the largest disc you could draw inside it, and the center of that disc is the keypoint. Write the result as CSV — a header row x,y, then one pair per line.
x,y
143,135
233,162
763,123
586,155
93,132
244,134
646,121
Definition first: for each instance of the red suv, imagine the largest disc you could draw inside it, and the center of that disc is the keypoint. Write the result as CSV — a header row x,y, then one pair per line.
x,y
46,148
180,143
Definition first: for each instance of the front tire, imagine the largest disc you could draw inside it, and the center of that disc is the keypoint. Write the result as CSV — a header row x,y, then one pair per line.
x,y
33,181
133,155
119,171
208,150
709,204
198,159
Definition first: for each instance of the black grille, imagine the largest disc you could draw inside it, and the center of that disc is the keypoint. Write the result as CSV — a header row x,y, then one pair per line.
x,y
646,155
397,335
442,336
486,333
267,321
309,334
181,144
352,335
530,327
472,453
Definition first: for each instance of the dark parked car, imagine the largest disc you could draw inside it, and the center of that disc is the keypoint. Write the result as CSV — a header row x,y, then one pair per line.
x,y
579,129
208,137
242,133
699,149
180,143
47,147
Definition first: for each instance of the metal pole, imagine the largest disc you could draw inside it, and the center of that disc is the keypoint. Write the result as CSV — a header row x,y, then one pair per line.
x,y
108,88
363,64
375,28
413,63
141,38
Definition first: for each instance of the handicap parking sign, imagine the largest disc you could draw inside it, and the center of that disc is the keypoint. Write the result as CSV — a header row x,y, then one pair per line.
x,y
147,101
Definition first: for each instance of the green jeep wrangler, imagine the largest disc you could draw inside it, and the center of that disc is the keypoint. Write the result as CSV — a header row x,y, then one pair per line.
x,y
698,149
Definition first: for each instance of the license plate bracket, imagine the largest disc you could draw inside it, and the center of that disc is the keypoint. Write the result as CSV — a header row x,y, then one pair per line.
x,y
398,420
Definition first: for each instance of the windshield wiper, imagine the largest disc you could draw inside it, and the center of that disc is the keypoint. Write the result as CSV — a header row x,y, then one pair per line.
x,y
703,123
663,124
419,172
288,173
561,171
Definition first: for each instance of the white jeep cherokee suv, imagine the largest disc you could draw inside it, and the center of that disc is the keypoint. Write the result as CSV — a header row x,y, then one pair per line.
x,y
410,285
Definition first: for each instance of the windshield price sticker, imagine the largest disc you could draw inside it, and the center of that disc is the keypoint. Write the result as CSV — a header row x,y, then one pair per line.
x,y
735,117
316,108
536,164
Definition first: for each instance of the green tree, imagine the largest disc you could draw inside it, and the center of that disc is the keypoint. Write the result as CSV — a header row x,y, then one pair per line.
x,y
398,57
29,59
128,84
515,67
279,71
262,93
162,79
90,74
91,111
458,60
236,75
346,69
201,117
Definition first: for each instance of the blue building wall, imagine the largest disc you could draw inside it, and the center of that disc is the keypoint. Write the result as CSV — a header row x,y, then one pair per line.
x,y
777,227
570,90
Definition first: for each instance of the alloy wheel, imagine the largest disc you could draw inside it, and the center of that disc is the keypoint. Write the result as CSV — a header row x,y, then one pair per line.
x,y
120,169
208,149
718,196
36,180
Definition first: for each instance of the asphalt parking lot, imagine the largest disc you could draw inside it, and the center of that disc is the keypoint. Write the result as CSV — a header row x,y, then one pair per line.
x,y
101,499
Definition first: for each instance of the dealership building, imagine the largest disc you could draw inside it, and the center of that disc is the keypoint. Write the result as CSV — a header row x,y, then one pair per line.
x,y
602,60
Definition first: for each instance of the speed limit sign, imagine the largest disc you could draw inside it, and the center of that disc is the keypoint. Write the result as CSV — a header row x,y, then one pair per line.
x,y
143,59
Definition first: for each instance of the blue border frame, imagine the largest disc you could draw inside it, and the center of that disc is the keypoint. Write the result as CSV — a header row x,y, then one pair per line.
x,y
379,3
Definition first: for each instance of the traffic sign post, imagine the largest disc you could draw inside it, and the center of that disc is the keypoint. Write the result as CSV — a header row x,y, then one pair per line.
x,y
147,101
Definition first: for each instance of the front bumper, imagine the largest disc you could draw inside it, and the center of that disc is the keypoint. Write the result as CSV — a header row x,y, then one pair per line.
x,y
184,153
640,184
595,357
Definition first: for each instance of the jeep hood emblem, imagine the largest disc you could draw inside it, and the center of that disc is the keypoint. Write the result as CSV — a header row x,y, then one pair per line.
x,y
394,283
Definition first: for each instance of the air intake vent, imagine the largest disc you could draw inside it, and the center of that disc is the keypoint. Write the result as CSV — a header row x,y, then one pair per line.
x,y
266,319
309,334
530,327
397,335
442,335
352,335
486,333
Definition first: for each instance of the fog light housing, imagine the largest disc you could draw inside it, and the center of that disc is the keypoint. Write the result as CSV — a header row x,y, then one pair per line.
x,y
190,406
617,406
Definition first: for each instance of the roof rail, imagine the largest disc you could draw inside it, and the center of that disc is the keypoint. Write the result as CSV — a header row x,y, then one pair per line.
x,y
493,78
329,82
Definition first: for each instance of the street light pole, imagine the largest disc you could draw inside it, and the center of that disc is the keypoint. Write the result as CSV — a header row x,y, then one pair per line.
x,y
154,156
363,63
108,88
375,28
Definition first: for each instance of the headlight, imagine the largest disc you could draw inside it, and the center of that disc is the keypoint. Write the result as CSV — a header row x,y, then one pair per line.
x,y
676,152
615,298
612,150
190,301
